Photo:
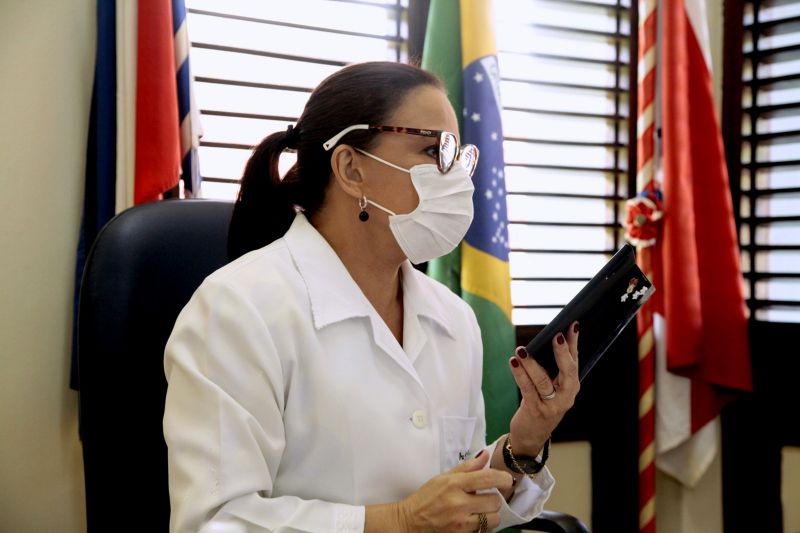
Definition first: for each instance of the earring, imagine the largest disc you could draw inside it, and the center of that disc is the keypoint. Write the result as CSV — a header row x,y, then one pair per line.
x,y
363,216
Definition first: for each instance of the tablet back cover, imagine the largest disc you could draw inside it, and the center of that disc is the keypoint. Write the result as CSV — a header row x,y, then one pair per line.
x,y
603,308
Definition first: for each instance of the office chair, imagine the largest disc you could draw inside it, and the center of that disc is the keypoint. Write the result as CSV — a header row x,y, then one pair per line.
x,y
141,271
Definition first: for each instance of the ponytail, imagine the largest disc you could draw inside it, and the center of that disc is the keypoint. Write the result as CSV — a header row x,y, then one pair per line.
x,y
364,93
262,212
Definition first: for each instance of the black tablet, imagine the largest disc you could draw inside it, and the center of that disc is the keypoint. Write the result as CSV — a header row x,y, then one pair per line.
x,y
603,308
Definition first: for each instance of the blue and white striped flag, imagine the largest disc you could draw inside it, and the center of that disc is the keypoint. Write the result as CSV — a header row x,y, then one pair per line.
x,y
188,113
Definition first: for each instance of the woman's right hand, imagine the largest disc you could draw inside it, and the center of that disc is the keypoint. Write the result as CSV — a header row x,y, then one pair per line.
x,y
448,501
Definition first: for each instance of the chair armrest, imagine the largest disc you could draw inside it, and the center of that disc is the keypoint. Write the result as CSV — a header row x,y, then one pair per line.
x,y
555,522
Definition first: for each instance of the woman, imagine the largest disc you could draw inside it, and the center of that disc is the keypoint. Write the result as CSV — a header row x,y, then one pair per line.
x,y
319,382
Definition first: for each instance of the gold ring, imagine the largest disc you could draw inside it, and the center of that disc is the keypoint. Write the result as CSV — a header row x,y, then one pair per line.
x,y
549,396
483,523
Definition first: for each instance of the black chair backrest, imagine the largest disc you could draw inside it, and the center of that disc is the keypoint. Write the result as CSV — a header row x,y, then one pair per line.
x,y
141,271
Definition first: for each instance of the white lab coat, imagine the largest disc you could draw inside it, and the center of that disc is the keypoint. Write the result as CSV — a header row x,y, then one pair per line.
x,y
291,405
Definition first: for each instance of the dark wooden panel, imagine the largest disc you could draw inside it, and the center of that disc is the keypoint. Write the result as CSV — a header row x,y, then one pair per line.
x,y
756,427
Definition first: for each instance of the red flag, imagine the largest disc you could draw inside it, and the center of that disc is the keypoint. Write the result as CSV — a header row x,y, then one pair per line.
x,y
158,155
696,260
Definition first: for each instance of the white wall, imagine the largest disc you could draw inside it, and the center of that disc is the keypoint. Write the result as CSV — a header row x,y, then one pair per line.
x,y
571,464
715,12
790,488
46,70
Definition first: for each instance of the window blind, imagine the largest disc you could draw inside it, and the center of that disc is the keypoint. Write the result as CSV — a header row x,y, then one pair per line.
x,y
255,64
565,94
769,207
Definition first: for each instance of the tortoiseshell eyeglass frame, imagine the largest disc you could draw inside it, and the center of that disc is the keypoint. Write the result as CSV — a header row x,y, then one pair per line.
x,y
467,154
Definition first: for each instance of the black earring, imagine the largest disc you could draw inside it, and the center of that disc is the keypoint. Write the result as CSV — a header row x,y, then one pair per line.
x,y
363,216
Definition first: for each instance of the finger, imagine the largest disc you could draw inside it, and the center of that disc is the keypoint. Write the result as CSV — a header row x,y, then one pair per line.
x,y
522,378
567,364
472,465
542,383
572,339
568,380
488,478
484,503
493,520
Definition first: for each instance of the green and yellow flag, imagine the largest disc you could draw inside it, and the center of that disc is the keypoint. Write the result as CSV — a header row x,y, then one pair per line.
x,y
460,49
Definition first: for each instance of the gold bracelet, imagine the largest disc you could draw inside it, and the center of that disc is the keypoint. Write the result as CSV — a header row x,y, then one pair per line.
x,y
539,465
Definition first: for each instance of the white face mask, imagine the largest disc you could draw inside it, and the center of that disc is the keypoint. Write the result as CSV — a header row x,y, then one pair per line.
x,y
442,217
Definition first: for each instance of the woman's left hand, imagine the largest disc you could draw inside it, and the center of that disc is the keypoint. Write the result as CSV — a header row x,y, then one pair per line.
x,y
544,401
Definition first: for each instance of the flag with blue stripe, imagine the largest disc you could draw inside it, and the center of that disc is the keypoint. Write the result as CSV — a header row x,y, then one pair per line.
x,y
108,113
101,149
188,115
482,128
460,49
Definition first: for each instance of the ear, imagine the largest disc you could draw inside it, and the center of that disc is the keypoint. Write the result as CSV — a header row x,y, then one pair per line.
x,y
347,171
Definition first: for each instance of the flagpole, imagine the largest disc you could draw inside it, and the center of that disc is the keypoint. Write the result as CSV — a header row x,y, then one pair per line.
x,y
644,212
647,469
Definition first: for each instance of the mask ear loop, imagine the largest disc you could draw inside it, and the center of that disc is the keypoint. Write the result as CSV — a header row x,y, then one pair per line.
x,y
376,158
363,216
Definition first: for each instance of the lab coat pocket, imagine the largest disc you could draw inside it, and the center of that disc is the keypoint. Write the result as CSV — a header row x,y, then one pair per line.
x,y
456,439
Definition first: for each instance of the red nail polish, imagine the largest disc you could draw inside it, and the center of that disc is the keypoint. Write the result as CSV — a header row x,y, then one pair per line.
x,y
522,353
560,339
575,328
479,453
515,363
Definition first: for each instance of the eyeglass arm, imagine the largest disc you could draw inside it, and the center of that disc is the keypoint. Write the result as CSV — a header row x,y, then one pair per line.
x,y
330,143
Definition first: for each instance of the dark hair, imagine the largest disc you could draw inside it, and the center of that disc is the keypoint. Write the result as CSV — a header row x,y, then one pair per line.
x,y
363,93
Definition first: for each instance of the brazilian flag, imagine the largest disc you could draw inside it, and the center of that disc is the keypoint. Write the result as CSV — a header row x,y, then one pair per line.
x,y
460,49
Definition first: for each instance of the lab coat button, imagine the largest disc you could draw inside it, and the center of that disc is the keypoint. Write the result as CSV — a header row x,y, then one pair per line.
x,y
419,419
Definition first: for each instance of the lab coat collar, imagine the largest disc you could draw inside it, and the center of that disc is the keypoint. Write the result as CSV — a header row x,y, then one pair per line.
x,y
418,299
333,293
